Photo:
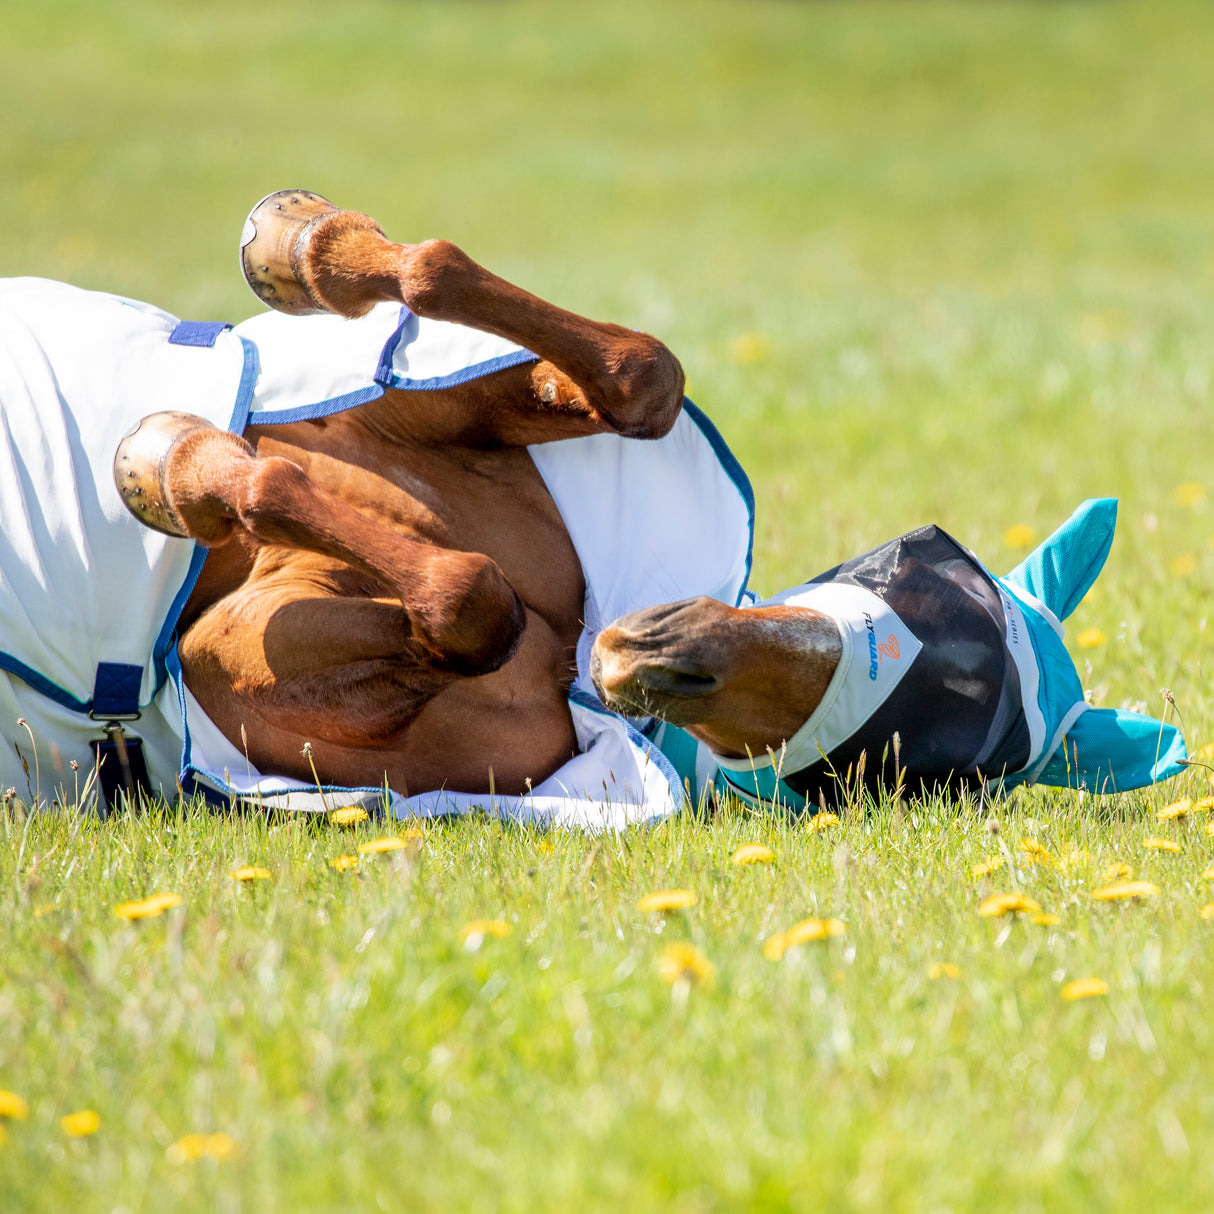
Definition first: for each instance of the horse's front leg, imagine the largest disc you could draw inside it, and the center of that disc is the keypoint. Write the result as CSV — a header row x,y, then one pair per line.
x,y
301,254
182,475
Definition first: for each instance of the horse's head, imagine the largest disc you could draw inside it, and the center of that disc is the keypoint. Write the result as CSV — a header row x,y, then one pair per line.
x,y
739,680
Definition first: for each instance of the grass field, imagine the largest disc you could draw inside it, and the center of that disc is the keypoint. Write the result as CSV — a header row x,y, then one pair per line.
x,y
932,262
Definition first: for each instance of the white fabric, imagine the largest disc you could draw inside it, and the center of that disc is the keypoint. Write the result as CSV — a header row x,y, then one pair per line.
x,y
82,581
307,362
878,649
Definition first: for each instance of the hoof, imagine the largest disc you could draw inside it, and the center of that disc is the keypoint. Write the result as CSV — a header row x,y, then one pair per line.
x,y
275,238
139,468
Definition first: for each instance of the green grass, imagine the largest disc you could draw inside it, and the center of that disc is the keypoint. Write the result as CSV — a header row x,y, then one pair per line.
x,y
932,262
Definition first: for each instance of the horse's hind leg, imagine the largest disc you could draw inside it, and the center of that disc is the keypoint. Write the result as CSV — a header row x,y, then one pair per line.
x,y
182,475
300,254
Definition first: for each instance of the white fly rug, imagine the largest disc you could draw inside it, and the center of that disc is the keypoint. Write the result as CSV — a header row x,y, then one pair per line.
x,y
82,582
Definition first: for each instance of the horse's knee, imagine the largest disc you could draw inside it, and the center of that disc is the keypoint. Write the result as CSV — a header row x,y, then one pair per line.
x,y
644,389
472,618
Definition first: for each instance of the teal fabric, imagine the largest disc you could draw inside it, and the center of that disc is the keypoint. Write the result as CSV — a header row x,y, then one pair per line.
x,y
1061,571
1105,750
1109,750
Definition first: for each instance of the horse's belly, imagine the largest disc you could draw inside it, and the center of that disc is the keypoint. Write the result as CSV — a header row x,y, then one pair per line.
x,y
506,732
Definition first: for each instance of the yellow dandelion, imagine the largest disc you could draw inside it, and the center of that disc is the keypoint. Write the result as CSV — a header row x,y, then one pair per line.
x,y
1007,904
1035,852
1120,871
1019,535
1178,809
683,962
774,947
1044,919
545,846
1090,638
80,1124
342,863
13,1106
1154,843
1125,889
804,932
1183,565
1208,875
1073,859
1205,753
1204,806
994,864
47,908
351,815
749,348
472,935
1084,988
1189,494
944,969
1207,911
823,819
200,1146
389,843
753,853
250,872
1210,828
667,900
148,908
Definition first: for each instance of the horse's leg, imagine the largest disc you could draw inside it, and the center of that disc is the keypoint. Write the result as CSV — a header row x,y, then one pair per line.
x,y
189,478
301,254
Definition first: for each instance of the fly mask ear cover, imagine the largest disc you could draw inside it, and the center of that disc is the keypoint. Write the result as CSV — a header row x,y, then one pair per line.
x,y
1106,750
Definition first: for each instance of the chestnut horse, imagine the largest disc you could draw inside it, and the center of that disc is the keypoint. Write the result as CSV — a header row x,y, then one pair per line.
x,y
390,592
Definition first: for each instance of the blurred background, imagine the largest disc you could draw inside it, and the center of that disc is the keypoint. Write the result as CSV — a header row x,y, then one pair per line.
x,y
947,262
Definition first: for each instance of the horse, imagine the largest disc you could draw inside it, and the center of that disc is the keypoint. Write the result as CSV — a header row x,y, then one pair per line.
x,y
400,541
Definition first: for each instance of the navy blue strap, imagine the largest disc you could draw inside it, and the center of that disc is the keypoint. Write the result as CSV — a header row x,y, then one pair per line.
x,y
197,332
116,690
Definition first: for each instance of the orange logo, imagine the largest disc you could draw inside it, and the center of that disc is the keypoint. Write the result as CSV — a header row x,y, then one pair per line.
x,y
890,648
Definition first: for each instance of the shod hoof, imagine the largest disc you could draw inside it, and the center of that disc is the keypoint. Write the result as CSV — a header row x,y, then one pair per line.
x,y
139,468
274,240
